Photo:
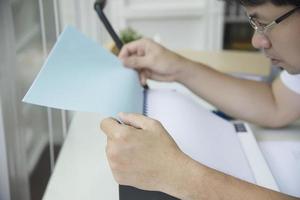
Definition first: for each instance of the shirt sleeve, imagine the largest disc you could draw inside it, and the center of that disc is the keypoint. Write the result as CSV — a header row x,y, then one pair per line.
x,y
291,81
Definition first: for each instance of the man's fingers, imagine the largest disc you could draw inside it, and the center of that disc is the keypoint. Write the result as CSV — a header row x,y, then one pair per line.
x,y
137,120
143,79
133,54
132,48
126,51
143,76
110,127
135,62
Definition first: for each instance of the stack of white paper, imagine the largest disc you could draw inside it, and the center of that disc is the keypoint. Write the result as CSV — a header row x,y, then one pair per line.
x,y
199,133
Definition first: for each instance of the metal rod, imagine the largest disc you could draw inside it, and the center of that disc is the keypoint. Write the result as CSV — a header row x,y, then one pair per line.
x,y
51,140
49,111
63,112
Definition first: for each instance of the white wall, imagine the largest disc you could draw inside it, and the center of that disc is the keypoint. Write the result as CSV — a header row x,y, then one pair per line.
x,y
81,14
188,24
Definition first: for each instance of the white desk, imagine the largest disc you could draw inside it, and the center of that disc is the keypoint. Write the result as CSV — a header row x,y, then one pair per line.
x,y
82,171
229,61
281,148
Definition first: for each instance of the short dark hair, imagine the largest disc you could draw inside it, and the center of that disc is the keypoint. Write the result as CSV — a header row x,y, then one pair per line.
x,y
275,2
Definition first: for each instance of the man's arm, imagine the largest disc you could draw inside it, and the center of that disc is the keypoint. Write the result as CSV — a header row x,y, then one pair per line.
x,y
271,105
200,182
268,105
142,154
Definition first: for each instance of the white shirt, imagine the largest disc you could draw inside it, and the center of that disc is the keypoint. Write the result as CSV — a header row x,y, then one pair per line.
x,y
291,81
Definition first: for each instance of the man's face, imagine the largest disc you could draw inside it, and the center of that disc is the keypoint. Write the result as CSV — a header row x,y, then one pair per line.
x,y
281,43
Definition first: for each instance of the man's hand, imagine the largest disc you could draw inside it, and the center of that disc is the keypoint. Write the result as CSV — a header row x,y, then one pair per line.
x,y
152,61
142,154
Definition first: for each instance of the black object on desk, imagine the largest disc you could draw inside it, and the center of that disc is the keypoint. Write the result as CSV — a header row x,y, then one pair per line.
x,y
131,193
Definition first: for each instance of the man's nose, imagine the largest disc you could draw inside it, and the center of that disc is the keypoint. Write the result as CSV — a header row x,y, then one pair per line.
x,y
261,41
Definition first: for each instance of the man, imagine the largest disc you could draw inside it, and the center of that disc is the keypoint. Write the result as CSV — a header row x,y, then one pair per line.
x,y
142,154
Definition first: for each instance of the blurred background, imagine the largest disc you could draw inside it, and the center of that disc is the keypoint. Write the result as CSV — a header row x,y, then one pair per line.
x,y
31,136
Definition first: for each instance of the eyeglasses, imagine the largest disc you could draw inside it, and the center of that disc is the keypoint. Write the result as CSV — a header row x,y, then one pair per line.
x,y
262,28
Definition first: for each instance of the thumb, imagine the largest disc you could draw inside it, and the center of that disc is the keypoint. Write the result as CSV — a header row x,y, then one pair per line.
x,y
136,120
143,75
110,127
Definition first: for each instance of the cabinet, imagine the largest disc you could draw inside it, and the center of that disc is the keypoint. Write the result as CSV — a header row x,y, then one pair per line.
x,y
237,31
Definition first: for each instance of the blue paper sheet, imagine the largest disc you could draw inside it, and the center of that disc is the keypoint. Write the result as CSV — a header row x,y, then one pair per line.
x,y
80,75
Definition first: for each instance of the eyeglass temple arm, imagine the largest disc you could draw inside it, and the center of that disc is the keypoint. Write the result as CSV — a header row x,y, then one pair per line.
x,y
286,15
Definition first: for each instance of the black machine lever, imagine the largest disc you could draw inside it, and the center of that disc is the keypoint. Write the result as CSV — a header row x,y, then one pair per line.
x,y
99,6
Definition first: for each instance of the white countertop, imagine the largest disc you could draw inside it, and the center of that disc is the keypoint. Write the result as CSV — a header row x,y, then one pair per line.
x,y
82,170
281,149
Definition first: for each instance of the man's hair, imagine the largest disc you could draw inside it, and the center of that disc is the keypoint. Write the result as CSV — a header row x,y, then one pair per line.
x,y
275,2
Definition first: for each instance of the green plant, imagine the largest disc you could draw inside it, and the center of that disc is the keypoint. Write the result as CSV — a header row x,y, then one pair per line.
x,y
128,35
